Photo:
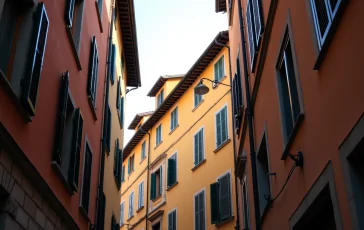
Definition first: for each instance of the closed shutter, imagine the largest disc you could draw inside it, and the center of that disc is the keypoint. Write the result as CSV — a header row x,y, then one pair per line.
x,y
218,129
214,199
74,168
201,146
170,221
197,213
202,210
122,213
153,186
224,134
142,194
258,20
174,217
120,163
225,197
251,33
123,170
234,89
118,94
86,179
34,66
160,180
61,119
69,12
112,64
171,171
196,148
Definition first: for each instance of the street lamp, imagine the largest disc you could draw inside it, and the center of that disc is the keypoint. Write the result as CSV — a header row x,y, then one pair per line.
x,y
202,89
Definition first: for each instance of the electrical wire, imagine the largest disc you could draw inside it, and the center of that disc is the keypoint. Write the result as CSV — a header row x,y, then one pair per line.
x,y
294,166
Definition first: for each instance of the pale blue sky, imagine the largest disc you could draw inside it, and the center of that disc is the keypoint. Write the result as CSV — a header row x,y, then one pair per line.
x,y
172,34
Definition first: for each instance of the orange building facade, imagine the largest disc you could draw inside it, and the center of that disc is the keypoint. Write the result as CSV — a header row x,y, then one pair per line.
x,y
300,137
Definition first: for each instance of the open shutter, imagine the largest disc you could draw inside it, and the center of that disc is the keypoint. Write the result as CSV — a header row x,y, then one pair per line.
x,y
34,66
218,129
91,72
214,201
258,20
61,119
153,186
171,171
251,33
109,119
116,160
112,63
120,163
113,222
118,94
225,197
70,5
122,112
101,212
74,169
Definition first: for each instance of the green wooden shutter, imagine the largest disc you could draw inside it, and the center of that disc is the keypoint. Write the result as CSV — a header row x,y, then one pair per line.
x,y
160,180
109,120
197,213
122,112
122,169
174,216
129,165
120,163
170,221
70,6
196,148
112,63
63,98
171,172
225,197
218,129
34,66
214,202
153,186
202,210
73,170
91,71
116,153
118,95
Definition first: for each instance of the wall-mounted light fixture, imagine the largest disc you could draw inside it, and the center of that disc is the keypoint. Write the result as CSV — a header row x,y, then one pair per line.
x,y
202,89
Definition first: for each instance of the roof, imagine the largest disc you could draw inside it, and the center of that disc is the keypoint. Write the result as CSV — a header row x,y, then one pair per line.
x,y
125,9
138,118
160,82
190,77
220,5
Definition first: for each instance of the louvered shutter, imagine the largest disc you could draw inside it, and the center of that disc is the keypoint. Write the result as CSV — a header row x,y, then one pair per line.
x,y
218,129
174,216
251,33
258,20
118,94
86,179
201,145
61,119
197,213
122,213
109,120
70,5
224,134
234,94
214,200
202,210
225,197
74,168
196,148
123,170
153,186
34,66
170,221
91,72
120,162
122,112
129,166
160,180
171,171
112,63
116,160
238,85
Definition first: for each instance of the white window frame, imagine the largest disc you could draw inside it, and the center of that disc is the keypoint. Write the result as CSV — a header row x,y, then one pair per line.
x,y
156,134
194,195
231,188
174,153
218,59
122,213
142,201
171,129
193,153
227,124
130,214
170,211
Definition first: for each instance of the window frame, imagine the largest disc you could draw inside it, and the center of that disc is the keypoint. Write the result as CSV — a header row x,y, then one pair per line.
x,y
142,201
227,125
144,143
221,57
160,97
93,76
122,213
175,109
204,147
156,134
131,214
171,212
203,190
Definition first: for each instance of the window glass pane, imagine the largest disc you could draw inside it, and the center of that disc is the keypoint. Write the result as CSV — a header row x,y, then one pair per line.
x,y
323,19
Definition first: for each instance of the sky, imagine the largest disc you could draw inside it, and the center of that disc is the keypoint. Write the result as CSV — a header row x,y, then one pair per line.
x,y
172,34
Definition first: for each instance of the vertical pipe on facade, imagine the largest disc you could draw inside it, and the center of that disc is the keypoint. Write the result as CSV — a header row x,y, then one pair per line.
x,y
106,104
237,226
250,122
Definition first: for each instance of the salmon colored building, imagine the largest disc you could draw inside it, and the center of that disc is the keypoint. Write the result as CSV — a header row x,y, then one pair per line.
x,y
299,128
179,163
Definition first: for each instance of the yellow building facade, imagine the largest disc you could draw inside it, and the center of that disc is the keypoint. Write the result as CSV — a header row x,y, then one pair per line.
x,y
179,163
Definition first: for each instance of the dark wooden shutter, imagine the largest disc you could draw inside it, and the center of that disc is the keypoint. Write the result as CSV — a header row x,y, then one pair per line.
x,y
118,95
73,170
109,119
153,186
113,222
86,179
93,69
202,210
117,226
196,148
197,213
170,221
122,112
171,172
225,197
70,6
129,168
251,33
214,201
34,66
120,163
61,119
218,129
112,63
101,213
201,146
258,21
116,160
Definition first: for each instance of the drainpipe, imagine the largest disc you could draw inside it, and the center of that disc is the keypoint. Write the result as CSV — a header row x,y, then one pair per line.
x,y
250,123
237,224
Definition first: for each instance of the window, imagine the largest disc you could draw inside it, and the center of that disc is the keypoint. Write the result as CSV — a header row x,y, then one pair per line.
x,y
158,137
107,134
122,213
18,41
221,126
237,95
131,205
118,161
114,225
121,114
112,63
160,98
174,118
143,155
198,143
197,99
172,170
93,74
86,179
221,207
324,12
254,20
288,89
100,4
172,220
131,164
68,141
246,209
262,173
219,69
123,174
120,103
141,195
199,206
101,211
156,184
157,226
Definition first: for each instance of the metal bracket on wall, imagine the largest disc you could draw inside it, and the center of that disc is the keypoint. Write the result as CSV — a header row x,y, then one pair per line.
x,y
298,158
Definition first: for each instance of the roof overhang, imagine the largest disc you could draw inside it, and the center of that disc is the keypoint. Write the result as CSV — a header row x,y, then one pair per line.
x,y
160,82
125,9
220,6
138,118
187,81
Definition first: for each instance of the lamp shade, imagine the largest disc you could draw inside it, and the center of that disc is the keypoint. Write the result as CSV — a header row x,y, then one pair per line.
x,y
201,89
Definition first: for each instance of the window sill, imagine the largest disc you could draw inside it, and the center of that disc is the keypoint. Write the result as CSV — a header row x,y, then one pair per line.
x,y
129,173
93,109
198,105
142,160
130,218
63,179
9,90
172,186
74,48
292,136
139,209
99,15
84,213
224,221
158,144
198,165
157,198
222,145
173,129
